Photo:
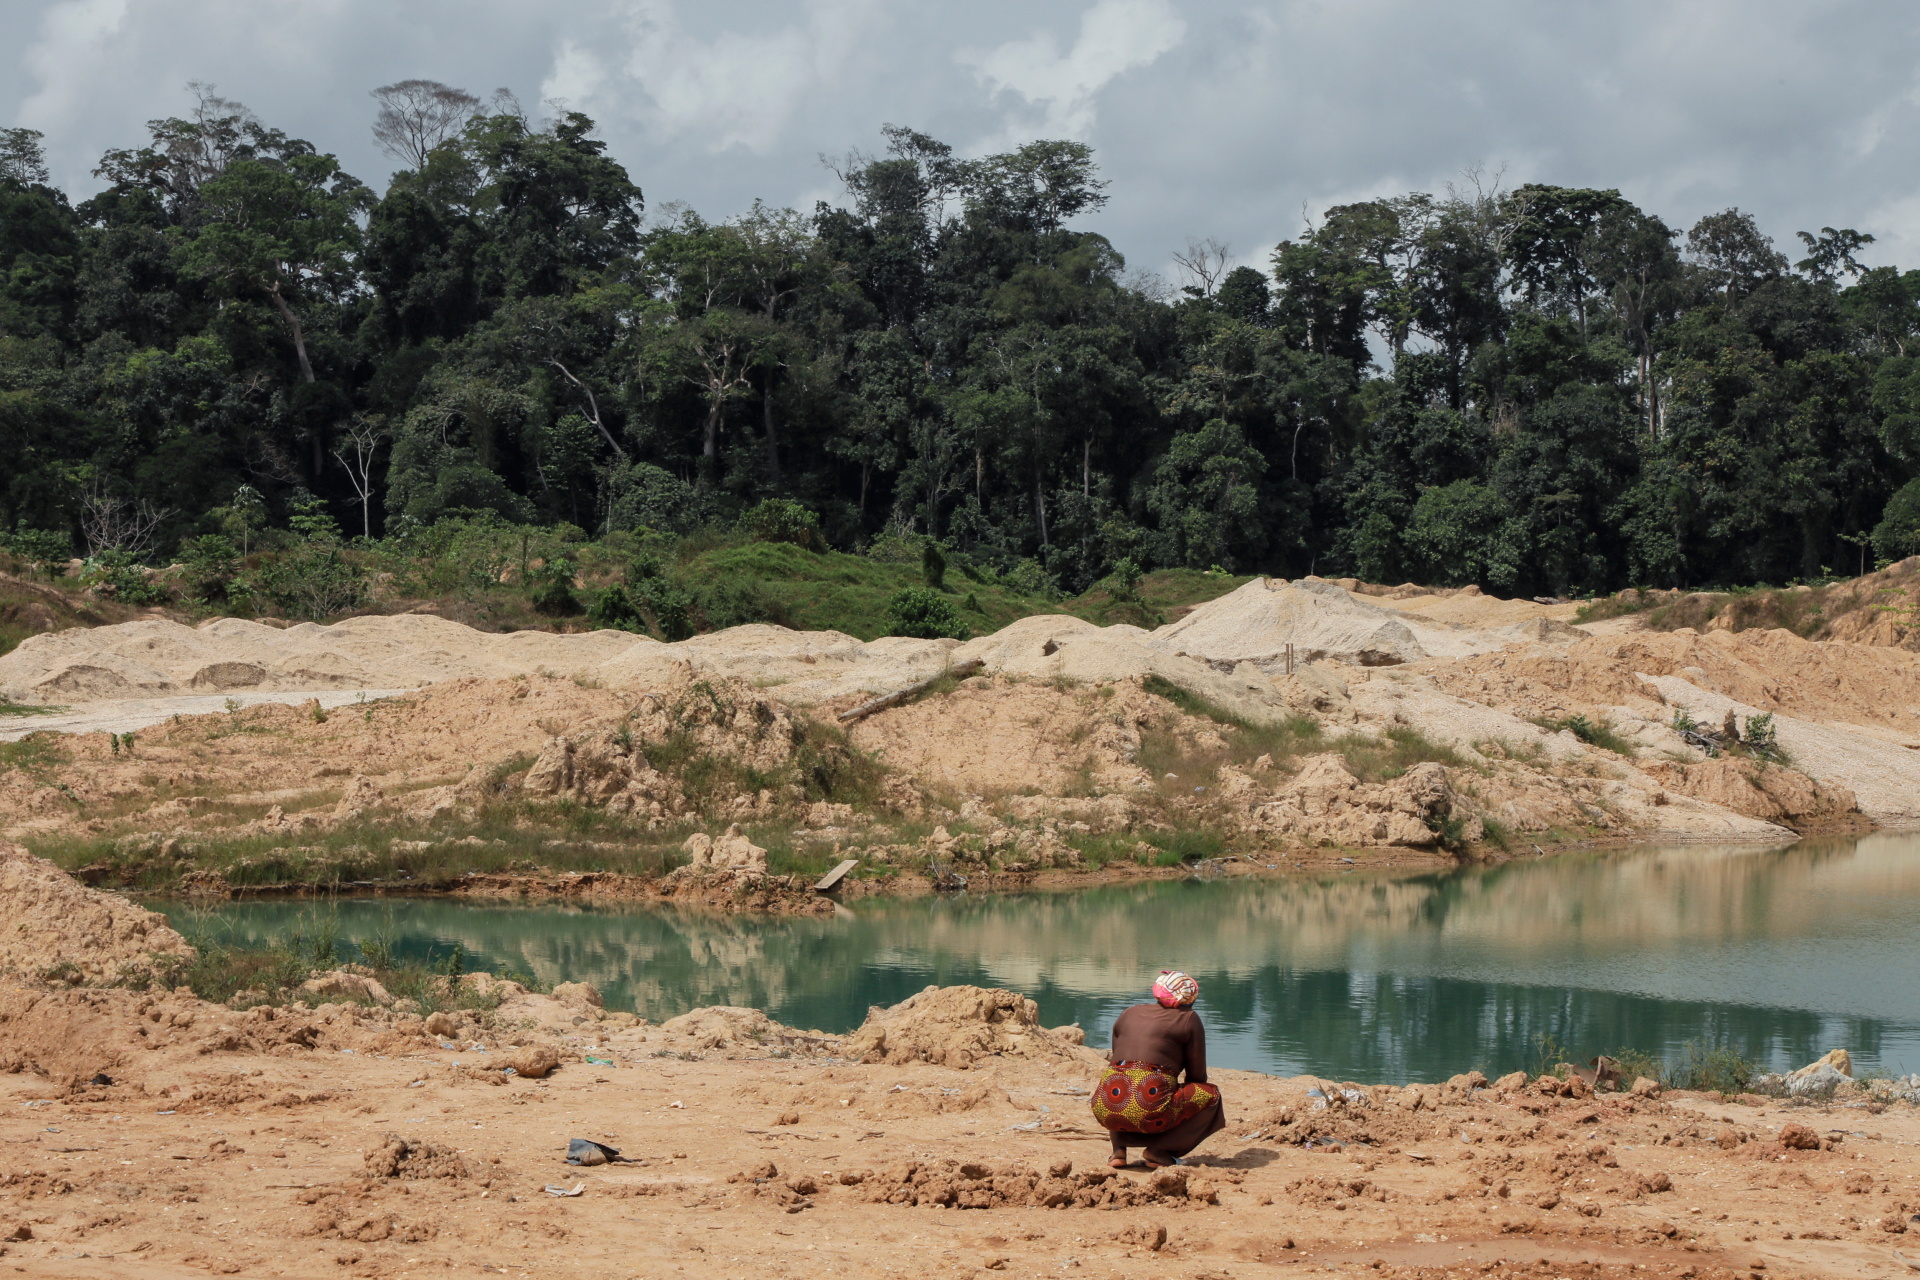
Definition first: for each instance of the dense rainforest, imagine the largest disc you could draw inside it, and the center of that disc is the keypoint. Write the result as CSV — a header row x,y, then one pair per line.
x,y
1543,390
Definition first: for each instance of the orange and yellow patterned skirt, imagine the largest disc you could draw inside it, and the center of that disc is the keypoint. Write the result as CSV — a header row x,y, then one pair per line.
x,y
1139,1097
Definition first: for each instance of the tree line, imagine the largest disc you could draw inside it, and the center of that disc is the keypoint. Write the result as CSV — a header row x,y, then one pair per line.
x,y
1543,390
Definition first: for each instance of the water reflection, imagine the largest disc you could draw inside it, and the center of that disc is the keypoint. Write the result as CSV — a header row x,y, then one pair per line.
x,y
1784,953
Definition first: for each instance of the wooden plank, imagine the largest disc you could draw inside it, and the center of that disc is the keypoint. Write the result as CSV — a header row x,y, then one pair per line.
x,y
835,876
898,696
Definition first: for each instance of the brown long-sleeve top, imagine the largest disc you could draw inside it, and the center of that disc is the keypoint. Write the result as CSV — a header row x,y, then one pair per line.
x,y
1172,1039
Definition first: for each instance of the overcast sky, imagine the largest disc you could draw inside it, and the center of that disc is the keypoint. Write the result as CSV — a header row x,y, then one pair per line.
x,y
1215,118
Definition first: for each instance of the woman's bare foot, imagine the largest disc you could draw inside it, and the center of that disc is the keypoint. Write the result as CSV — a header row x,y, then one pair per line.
x,y
1118,1160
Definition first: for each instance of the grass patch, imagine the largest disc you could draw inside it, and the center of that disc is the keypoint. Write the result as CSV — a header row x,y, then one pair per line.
x,y
8,707
1249,740
1099,850
36,755
1180,767
1596,733
1711,1068
1162,848
1698,1065
1614,606
792,853
1175,847
1378,760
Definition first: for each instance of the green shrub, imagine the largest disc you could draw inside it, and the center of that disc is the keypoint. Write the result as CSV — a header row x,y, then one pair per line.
x,y
44,550
313,580
1176,847
1897,536
783,520
895,545
1715,1068
1598,733
553,590
1760,737
614,610
924,613
666,606
735,602
116,573
210,564
1029,579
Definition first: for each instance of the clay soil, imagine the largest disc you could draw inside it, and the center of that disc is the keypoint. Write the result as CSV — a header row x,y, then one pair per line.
x,y
347,1141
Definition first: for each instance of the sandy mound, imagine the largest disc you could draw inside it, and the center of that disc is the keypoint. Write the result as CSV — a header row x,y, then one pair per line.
x,y
609,767
1324,621
1061,648
408,753
996,736
806,666
1470,607
57,926
1320,620
1772,670
155,656
958,1027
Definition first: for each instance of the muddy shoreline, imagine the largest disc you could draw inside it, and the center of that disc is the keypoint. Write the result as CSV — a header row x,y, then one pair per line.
x,y
793,894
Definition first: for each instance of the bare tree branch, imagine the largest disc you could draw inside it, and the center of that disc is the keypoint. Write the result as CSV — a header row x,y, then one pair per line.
x,y
113,523
1204,262
363,436
418,115
593,407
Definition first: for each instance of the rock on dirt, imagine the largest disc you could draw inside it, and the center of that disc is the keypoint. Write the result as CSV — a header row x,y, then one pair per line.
x,y
1798,1137
57,927
957,1027
1325,804
342,984
730,852
535,1063
415,1158
725,1027
1769,792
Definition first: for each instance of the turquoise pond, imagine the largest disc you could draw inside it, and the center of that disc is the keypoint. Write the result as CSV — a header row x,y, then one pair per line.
x,y
1780,953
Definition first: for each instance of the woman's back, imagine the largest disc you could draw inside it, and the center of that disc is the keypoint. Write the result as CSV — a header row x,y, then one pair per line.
x,y
1172,1039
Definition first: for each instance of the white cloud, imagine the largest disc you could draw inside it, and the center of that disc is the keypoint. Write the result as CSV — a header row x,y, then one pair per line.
x,y
1212,117
740,88
72,34
1116,36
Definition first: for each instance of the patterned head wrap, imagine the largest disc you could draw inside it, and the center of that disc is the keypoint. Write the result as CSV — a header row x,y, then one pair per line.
x,y
1174,989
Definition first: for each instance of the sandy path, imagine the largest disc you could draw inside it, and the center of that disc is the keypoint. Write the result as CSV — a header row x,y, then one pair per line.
x,y
125,715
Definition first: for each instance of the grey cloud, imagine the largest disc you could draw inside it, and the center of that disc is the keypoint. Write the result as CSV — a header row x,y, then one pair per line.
x,y
1210,118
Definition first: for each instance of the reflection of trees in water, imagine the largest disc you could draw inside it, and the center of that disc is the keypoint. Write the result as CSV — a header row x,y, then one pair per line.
x,y
1288,965
1374,1027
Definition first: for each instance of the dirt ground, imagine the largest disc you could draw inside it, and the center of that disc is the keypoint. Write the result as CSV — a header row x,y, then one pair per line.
x,y
349,1141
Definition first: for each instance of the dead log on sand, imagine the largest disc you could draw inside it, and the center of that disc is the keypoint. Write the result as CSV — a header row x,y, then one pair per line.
x,y
899,696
